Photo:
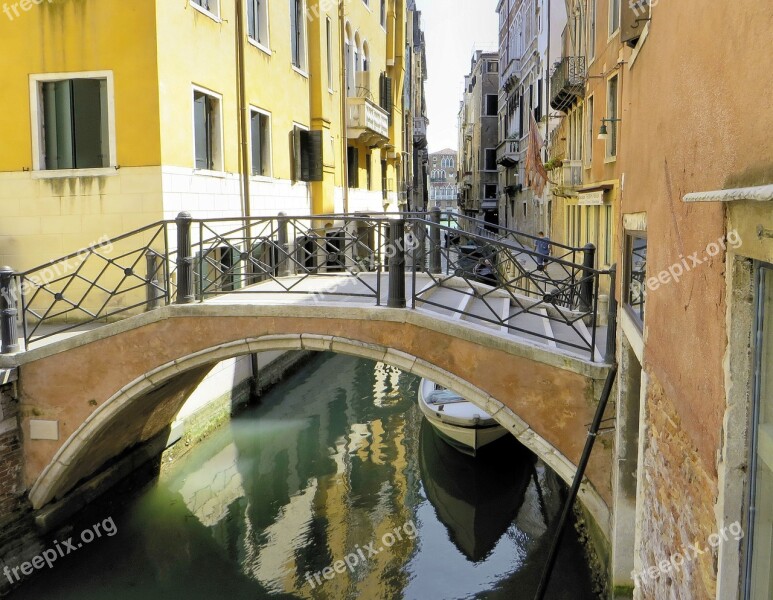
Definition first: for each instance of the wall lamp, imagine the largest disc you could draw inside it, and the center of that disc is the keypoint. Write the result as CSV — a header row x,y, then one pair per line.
x,y
603,133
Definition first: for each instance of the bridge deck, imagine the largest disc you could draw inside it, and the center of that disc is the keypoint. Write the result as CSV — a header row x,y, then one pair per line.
x,y
458,300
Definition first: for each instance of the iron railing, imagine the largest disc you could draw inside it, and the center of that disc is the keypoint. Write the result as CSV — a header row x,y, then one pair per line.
x,y
193,260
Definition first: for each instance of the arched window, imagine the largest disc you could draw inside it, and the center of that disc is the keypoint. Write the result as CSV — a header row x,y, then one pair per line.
x,y
365,56
348,58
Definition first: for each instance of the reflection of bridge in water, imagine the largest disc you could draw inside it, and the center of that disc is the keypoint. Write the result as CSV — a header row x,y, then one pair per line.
x,y
476,316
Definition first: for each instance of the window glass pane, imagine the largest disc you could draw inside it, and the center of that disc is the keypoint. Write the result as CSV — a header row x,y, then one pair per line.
x,y
58,125
257,145
88,119
636,276
761,583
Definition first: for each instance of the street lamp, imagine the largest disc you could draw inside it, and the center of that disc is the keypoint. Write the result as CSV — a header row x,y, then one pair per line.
x,y
603,133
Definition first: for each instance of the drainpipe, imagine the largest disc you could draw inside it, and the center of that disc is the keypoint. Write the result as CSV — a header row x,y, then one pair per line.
x,y
244,160
344,96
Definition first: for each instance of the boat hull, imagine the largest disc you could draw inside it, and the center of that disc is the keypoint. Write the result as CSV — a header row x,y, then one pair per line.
x,y
466,434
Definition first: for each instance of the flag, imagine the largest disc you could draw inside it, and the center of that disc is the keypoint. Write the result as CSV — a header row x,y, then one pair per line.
x,y
535,174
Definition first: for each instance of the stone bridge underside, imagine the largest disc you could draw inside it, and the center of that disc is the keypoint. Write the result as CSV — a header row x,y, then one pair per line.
x,y
122,384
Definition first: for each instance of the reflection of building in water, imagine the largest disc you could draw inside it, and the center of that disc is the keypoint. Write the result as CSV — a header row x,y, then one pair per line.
x,y
309,479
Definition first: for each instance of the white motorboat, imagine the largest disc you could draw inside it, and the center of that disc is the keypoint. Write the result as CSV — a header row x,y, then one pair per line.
x,y
459,422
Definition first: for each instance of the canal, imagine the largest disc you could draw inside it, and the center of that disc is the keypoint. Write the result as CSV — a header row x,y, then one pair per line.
x,y
332,488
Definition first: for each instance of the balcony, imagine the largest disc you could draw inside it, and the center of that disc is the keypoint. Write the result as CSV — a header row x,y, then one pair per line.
x,y
508,154
420,132
567,178
366,122
510,75
567,83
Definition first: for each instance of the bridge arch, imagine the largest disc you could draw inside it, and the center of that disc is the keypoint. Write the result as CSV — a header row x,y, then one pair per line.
x,y
493,376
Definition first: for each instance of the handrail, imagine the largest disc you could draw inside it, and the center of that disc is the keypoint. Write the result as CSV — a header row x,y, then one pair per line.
x,y
190,260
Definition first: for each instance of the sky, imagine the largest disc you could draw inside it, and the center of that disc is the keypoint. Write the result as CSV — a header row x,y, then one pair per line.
x,y
453,28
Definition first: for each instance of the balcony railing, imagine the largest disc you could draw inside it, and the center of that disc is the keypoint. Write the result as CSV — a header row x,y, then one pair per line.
x,y
567,178
567,83
367,122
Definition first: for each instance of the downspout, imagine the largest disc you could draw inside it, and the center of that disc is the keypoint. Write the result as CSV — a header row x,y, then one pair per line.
x,y
241,94
244,165
344,97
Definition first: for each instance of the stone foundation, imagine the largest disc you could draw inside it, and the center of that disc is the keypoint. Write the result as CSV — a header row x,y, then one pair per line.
x,y
678,498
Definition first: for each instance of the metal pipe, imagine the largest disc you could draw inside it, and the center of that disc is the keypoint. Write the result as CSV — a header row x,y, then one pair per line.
x,y
590,440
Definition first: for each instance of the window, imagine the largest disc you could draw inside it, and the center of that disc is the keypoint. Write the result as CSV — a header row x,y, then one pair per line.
x,y
298,34
492,105
257,21
612,115
490,159
73,125
386,98
759,580
589,135
307,154
384,182
383,13
608,233
490,191
635,283
369,171
592,30
207,131
260,127
329,30
353,166
492,66
614,16
211,6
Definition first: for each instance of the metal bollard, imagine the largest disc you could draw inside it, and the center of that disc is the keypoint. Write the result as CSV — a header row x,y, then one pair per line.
x,y
154,294
8,312
586,286
185,294
397,264
611,350
435,264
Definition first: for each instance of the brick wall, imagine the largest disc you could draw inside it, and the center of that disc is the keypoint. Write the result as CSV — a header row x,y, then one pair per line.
x,y
678,510
10,457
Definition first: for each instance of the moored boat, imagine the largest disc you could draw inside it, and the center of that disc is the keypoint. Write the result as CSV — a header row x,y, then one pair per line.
x,y
459,422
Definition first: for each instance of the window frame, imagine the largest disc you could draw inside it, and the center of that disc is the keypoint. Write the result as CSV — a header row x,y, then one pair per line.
x,y
612,31
302,68
485,161
630,236
212,14
486,112
265,47
38,126
612,124
760,285
329,49
270,146
218,155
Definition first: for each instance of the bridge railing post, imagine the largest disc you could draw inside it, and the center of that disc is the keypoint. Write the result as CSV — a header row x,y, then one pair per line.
x,y
586,285
396,254
283,245
154,293
185,294
8,312
435,263
611,349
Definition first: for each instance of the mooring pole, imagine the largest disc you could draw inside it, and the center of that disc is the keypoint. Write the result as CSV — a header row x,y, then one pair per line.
x,y
590,440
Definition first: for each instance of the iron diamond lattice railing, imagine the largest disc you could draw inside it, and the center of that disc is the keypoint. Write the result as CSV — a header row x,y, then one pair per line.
x,y
332,256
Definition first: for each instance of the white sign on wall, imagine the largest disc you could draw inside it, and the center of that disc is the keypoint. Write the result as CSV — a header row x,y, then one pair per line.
x,y
591,198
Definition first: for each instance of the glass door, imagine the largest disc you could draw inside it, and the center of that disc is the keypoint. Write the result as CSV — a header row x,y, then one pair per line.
x,y
759,585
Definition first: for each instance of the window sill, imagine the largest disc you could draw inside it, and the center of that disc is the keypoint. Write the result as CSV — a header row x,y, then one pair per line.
x,y
300,72
74,173
610,159
259,46
210,173
262,178
204,11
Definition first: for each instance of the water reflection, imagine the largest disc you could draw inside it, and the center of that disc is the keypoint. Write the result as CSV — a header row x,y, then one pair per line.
x,y
335,458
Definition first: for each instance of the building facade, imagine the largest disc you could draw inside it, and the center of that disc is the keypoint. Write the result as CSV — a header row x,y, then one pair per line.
x,y
295,109
477,172
416,114
529,40
443,189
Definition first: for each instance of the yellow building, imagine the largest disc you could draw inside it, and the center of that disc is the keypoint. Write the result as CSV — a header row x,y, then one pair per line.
x,y
118,114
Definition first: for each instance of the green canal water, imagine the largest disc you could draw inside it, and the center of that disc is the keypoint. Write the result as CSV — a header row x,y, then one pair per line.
x,y
333,488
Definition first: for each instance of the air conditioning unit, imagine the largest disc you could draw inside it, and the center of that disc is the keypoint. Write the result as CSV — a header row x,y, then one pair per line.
x,y
362,83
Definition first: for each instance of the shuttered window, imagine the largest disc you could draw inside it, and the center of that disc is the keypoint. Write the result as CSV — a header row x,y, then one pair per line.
x,y
307,155
386,98
75,124
257,21
353,166
206,122
260,129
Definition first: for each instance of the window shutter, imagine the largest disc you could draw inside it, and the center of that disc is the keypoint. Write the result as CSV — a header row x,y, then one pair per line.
x,y
314,158
631,27
388,97
296,150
